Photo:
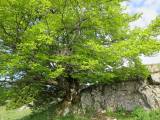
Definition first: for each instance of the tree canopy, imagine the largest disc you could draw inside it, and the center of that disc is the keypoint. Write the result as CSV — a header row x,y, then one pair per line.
x,y
68,43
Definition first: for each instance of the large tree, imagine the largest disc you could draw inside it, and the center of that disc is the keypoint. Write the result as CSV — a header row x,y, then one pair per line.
x,y
64,44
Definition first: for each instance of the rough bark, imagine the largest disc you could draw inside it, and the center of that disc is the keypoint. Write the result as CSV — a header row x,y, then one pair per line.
x,y
71,95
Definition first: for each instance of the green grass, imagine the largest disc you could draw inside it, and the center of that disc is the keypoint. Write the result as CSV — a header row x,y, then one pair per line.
x,y
137,114
12,114
41,115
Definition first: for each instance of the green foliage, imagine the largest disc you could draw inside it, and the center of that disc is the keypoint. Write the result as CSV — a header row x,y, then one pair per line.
x,y
48,42
3,95
141,114
25,96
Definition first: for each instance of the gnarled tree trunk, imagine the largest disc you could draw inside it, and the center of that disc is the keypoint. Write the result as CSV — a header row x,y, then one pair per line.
x,y
71,95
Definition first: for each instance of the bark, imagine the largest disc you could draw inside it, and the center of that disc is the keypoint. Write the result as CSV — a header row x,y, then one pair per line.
x,y
71,96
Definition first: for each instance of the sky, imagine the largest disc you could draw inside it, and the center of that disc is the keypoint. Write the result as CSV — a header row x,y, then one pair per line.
x,y
150,9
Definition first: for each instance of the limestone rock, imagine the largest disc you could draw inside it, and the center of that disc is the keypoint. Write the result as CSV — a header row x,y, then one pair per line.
x,y
154,68
151,95
155,73
127,95
155,77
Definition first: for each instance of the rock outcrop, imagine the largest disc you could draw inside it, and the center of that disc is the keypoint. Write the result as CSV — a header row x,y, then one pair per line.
x,y
127,95
155,73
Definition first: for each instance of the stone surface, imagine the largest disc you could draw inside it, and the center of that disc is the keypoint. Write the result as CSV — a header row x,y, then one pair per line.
x,y
127,95
154,68
155,73
155,77
151,95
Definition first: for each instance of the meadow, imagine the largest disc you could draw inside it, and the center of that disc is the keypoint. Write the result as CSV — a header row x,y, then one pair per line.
x,y
27,114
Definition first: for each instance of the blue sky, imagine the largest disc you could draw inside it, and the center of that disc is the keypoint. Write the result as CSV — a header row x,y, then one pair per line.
x,y
150,9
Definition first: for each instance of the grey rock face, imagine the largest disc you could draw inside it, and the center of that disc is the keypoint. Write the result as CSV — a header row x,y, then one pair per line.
x,y
151,95
154,68
155,78
127,95
155,73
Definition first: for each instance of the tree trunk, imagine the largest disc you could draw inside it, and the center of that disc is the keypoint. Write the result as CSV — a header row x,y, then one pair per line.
x,y
71,96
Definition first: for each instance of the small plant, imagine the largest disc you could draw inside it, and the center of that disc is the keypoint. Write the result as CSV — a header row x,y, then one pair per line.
x,y
140,114
120,110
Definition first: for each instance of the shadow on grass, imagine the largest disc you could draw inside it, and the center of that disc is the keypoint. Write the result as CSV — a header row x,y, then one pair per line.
x,y
47,114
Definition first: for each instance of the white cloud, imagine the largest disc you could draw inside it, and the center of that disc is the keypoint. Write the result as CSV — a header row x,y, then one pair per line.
x,y
150,9
147,16
151,60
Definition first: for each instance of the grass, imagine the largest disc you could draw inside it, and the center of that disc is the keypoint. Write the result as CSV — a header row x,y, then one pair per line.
x,y
137,114
12,114
47,114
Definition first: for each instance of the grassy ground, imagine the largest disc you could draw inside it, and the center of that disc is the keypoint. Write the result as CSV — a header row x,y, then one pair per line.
x,y
12,114
29,115
137,114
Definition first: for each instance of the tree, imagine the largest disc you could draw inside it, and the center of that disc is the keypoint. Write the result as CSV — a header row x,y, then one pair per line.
x,y
64,44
